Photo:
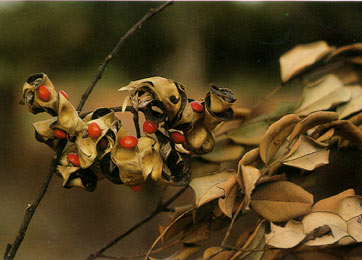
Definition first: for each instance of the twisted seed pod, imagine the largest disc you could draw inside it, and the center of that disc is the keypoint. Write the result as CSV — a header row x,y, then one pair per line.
x,y
31,98
44,134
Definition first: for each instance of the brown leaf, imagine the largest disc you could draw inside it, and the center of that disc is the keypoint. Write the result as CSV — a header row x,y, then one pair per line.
x,y
249,176
220,256
208,188
300,57
341,50
308,156
350,207
226,204
322,95
354,105
275,136
218,154
331,204
354,228
202,168
315,220
281,201
183,254
285,237
197,233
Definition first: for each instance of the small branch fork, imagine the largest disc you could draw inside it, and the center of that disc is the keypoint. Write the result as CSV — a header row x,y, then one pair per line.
x,y
114,52
161,207
12,249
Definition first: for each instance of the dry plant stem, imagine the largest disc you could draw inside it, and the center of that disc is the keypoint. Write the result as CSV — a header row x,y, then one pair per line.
x,y
31,208
114,52
231,224
158,210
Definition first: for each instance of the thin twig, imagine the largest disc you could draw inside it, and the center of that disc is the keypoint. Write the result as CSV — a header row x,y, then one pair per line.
x,y
157,211
31,208
114,52
142,255
231,224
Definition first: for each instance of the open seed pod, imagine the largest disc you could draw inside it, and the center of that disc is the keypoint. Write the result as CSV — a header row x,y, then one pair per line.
x,y
44,134
72,174
126,159
149,157
91,134
109,169
68,119
186,117
218,102
170,93
199,139
39,95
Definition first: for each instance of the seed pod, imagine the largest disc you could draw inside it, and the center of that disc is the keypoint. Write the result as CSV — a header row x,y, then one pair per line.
x,y
68,119
170,93
44,134
126,159
33,101
149,158
199,139
87,146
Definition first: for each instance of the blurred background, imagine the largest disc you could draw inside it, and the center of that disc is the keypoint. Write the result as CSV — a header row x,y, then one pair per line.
x,y
231,44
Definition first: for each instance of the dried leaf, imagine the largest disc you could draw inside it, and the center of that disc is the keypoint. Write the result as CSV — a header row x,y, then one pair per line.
x,y
308,156
354,105
226,204
350,207
322,95
285,237
249,176
202,168
197,233
281,201
342,50
300,57
183,254
208,188
315,220
275,136
220,256
331,204
218,154
354,228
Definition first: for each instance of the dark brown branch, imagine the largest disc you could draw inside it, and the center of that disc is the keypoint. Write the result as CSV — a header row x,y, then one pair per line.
x,y
114,52
31,208
158,210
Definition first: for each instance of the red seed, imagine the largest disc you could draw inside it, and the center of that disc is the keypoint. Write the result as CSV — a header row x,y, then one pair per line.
x,y
150,127
136,188
59,133
73,158
103,143
197,106
44,93
64,94
177,137
128,141
94,131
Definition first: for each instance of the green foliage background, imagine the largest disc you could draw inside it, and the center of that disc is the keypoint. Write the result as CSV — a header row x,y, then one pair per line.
x,y
232,44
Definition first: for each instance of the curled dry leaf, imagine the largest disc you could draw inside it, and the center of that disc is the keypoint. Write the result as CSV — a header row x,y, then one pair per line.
x,y
354,228
202,168
227,203
183,254
331,204
350,207
324,94
300,57
275,137
280,201
220,256
308,155
354,105
209,187
316,220
249,177
219,154
285,237
356,47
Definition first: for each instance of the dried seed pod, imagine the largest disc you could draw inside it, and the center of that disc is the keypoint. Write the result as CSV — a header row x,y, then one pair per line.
x,y
149,158
68,119
170,93
44,101
186,118
44,134
87,146
109,169
126,159
84,178
199,139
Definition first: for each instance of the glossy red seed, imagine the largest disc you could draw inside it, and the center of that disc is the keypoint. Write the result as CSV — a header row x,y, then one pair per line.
x,y
128,141
59,134
73,158
149,127
177,137
103,143
197,106
64,94
94,131
136,188
44,93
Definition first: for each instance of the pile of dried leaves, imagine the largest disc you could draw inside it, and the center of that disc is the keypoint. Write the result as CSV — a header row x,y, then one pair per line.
x,y
273,171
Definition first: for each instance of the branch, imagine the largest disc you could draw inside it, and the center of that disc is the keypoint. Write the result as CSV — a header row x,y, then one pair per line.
x,y
114,52
158,210
31,208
